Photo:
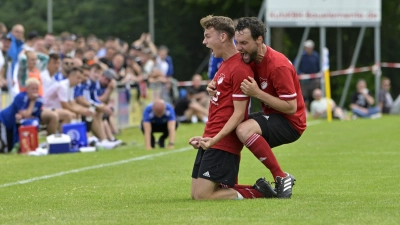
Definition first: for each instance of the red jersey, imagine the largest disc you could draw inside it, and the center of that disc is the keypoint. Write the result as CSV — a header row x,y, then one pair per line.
x,y
228,78
277,76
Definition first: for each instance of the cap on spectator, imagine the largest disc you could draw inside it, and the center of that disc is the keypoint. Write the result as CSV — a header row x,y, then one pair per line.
x,y
109,73
6,37
33,34
309,44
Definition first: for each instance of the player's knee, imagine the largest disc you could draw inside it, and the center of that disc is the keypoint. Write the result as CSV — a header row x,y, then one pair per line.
x,y
201,196
242,131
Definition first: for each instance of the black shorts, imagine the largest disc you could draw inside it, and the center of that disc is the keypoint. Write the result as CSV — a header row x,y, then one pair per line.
x,y
88,124
275,128
217,166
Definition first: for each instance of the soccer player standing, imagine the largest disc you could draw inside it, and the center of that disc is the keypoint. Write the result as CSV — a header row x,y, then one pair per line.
x,y
217,160
277,86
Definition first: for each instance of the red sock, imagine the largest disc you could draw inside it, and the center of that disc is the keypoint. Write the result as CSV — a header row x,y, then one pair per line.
x,y
260,149
249,192
236,186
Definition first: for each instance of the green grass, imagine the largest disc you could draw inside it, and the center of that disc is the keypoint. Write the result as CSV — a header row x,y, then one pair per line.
x,y
347,173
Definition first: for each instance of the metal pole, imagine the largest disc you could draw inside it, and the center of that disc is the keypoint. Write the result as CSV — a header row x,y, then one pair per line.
x,y
262,10
268,34
339,48
49,16
303,39
322,44
352,64
151,20
377,62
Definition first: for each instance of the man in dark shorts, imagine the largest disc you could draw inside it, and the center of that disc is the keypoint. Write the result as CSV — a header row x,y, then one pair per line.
x,y
218,156
277,86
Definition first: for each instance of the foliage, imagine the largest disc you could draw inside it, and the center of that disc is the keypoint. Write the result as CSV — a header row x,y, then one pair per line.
x,y
177,26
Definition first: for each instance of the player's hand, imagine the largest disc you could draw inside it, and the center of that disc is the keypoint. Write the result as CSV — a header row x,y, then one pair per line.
x,y
195,142
211,88
112,84
106,109
249,87
18,117
206,143
88,112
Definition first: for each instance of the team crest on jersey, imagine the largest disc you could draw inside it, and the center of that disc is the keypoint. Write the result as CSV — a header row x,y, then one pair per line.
x,y
220,78
263,83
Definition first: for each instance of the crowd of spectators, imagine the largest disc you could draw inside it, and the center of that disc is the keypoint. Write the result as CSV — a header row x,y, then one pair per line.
x,y
76,75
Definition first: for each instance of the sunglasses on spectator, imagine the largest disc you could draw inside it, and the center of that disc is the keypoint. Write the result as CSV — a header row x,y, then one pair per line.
x,y
69,63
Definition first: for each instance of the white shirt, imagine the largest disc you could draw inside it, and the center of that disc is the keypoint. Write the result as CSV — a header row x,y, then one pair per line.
x,y
320,106
162,65
57,93
47,80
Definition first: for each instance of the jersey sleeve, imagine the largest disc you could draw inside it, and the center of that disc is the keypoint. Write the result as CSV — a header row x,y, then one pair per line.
x,y
146,114
283,83
78,91
171,116
19,102
239,74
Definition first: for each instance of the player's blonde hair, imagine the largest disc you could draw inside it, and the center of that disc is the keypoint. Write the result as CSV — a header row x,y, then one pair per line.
x,y
219,23
32,80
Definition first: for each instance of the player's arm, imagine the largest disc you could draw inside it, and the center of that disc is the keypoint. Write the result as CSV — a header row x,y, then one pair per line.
x,y
107,93
82,101
147,134
250,87
237,117
171,133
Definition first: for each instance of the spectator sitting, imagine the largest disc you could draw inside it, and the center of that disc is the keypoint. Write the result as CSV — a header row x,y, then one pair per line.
x,y
386,103
95,123
188,108
60,97
159,116
26,104
362,101
200,93
320,104
48,76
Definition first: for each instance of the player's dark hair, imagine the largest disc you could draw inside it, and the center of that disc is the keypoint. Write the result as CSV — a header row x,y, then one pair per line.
x,y
74,70
219,23
256,27
54,56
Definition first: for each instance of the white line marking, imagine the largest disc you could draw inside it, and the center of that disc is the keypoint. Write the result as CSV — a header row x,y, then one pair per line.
x,y
95,167
313,122
108,164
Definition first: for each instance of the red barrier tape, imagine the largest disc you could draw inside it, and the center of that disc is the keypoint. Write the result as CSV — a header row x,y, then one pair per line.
x,y
317,75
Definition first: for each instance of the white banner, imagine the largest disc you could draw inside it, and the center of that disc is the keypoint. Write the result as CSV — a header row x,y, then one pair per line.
x,y
329,13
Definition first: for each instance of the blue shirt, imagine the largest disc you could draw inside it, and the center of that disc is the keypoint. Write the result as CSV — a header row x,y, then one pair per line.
x,y
14,50
170,71
84,89
309,63
21,102
95,90
169,115
59,76
213,66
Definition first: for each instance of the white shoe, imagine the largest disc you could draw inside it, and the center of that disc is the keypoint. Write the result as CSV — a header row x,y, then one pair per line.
x,y
376,116
106,144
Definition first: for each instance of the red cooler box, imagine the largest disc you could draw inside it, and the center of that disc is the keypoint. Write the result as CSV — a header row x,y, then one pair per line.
x,y
28,138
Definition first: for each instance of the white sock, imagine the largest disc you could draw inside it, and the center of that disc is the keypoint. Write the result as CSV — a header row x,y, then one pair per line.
x,y
239,196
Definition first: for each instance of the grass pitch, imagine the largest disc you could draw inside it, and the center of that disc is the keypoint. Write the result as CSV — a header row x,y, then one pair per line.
x,y
347,173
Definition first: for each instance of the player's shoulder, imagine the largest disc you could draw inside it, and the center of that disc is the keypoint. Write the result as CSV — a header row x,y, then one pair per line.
x,y
278,59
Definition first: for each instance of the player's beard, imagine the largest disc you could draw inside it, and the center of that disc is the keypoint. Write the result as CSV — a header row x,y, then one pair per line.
x,y
252,55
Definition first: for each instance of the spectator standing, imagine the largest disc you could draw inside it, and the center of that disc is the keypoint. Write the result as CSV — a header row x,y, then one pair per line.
x,y
309,64
33,36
